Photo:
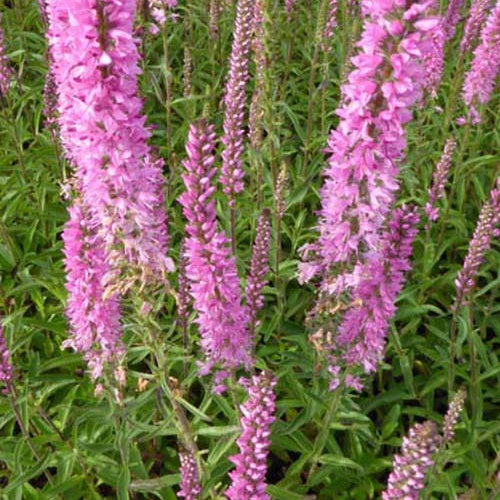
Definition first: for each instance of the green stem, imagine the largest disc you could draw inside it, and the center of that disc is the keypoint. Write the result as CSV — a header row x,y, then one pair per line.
x,y
12,400
321,438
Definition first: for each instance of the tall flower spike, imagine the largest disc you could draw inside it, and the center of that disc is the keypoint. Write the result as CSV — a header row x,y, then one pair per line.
x,y
94,319
6,370
478,246
451,417
5,69
436,191
234,101
361,178
375,285
259,268
330,25
452,18
190,480
406,481
256,109
211,270
95,66
480,80
248,480
475,21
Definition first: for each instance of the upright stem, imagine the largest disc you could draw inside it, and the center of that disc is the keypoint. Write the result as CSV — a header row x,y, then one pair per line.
x,y
233,227
12,400
168,98
318,39
474,378
451,368
321,438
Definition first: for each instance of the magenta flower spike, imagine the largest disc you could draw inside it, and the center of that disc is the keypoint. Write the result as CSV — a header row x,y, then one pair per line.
x,y
190,480
211,270
452,415
474,24
489,217
5,69
234,101
94,319
95,66
330,24
389,75
259,267
248,480
375,285
480,80
439,177
406,481
6,370
452,18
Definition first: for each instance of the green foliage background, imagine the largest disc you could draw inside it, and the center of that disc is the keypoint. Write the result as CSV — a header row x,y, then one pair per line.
x,y
89,448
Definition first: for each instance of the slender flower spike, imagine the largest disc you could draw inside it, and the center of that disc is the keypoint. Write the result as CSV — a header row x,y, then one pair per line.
x,y
478,246
234,101
330,25
475,21
95,66
5,69
452,18
436,191
6,371
190,480
259,268
480,80
376,283
183,298
256,114
389,75
257,415
407,478
289,5
94,319
211,270
451,417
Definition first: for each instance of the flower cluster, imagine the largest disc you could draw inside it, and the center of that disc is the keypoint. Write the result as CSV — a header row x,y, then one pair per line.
x,y
360,181
259,268
5,69
190,480
95,65
478,246
439,177
480,80
6,371
94,319
475,21
211,270
375,286
407,478
234,101
451,417
248,480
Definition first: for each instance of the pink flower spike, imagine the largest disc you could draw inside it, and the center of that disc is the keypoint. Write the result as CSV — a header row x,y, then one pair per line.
x,y
211,270
95,66
6,370
234,101
406,481
248,479
480,80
